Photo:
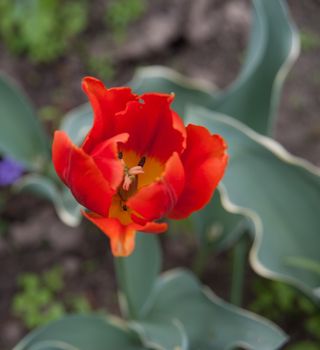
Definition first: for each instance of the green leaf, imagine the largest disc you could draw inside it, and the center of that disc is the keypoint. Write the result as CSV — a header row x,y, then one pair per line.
x,y
81,332
216,228
67,208
253,97
208,321
273,48
21,135
137,274
162,335
162,79
77,122
279,193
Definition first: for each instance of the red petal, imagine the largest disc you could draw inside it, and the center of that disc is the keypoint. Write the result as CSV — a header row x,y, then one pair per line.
x,y
178,125
154,227
122,237
105,103
154,130
80,173
106,157
156,200
204,161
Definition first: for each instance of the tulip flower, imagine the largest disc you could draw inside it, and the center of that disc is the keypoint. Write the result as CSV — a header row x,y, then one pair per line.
x,y
138,164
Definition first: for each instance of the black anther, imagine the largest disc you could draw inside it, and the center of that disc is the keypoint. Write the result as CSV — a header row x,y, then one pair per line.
x,y
142,161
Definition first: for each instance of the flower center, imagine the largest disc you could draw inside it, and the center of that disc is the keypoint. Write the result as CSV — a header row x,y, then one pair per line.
x,y
129,185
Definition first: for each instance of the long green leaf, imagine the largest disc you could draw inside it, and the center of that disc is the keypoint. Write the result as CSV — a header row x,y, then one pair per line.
x,y
216,228
79,332
137,274
279,193
253,97
208,321
77,122
67,208
21,135
162,79
162,335
273,47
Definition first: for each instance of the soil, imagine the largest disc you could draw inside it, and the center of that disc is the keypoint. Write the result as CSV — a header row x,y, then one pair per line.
x,y
203,39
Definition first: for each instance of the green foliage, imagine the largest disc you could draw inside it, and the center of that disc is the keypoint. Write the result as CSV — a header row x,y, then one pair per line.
x,y
39,299
42,28
21,135
254,95
309,41
121,13
82,332
135,287
181,310
282,303
101,66
273,207
304,345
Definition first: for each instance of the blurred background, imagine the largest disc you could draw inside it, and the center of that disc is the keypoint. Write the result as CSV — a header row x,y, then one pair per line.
x,y
47,46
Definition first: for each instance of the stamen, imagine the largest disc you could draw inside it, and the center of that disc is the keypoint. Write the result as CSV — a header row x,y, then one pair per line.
x,y
130,176
120,155
135,170
142,161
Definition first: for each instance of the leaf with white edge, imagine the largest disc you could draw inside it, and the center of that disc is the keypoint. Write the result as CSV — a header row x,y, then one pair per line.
x,y
166,80
82,332
162,335
273,48
67,208
279,193
254,95
21,134
137,275
208,321
216,228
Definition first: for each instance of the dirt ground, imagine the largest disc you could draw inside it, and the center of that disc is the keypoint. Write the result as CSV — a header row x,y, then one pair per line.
x,y
203,39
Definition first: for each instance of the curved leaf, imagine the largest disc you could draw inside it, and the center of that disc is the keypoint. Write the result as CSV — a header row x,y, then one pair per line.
x,y
273,47
21,135
216,228
166,80
67,208
77,122
209,322
253,97
137,275
280,194
162,335
83,332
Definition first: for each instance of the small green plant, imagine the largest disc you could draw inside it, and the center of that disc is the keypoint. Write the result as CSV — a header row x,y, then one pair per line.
x,y
309,40
101,66
121,13
41,28
37,301
281,302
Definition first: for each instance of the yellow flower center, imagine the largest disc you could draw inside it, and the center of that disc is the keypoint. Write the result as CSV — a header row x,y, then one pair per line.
x,y
139,171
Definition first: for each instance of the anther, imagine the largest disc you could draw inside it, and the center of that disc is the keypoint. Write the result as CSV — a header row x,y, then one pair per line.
x,y
125,208
120,155
142,161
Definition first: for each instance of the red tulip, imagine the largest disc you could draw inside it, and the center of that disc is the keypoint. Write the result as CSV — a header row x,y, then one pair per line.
x,y
138,164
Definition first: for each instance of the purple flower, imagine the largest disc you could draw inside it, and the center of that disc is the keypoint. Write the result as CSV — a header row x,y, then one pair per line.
x,y
10,171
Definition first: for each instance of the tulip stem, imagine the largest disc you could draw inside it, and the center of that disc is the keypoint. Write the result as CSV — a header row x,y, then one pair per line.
x,y
126,306
238,271
200,261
